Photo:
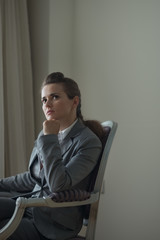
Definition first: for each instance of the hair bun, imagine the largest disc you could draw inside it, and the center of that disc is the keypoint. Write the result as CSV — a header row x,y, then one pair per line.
x,y
57,75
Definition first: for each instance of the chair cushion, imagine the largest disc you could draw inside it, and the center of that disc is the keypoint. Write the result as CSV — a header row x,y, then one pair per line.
x,y
70,195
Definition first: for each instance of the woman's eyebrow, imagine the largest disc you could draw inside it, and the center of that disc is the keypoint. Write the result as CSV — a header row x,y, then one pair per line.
x,y
55,93
51,94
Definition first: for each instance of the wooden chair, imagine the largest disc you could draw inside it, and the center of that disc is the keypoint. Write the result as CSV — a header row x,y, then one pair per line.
x,y
70,198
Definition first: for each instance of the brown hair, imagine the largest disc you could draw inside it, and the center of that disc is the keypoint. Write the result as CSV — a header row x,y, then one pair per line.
x,y
71,89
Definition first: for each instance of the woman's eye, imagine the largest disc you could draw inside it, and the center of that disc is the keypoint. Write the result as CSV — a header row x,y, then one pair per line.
x,y
44,100
51,97
55,97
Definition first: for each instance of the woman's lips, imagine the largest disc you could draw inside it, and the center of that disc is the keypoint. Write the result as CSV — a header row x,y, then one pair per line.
x,y
49,112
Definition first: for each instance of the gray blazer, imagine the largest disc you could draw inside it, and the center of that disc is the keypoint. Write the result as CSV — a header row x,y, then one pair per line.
x,y
65,166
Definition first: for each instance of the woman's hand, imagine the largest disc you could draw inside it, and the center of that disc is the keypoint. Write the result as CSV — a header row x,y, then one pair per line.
x,y
51,127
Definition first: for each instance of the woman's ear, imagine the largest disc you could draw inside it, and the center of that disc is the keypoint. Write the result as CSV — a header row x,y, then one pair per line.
x,y
76,101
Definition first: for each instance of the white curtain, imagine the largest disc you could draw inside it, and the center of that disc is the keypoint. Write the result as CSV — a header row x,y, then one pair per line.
x,y
16,93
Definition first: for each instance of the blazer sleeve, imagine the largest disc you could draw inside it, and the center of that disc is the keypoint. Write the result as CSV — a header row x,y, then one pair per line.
x,y
22,182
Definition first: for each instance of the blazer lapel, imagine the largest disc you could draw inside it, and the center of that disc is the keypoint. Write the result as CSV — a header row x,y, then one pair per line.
x,y
68,140
34,153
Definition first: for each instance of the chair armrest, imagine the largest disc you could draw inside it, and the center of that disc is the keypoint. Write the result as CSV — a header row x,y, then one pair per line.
x,y
53,201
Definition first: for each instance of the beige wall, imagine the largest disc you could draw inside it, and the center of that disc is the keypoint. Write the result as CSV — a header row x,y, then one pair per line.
x,y
117,57
61,36
38,13
111,47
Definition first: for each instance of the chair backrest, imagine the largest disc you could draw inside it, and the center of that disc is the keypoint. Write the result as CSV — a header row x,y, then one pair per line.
x,y
110,128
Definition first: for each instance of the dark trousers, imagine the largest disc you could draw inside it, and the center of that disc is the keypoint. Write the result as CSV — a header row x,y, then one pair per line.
x,y
26,229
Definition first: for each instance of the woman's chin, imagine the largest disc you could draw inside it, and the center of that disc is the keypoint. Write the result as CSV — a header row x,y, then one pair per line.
x,y
49,117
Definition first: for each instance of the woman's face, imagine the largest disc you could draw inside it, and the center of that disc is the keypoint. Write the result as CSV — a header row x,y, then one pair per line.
x,y
57,105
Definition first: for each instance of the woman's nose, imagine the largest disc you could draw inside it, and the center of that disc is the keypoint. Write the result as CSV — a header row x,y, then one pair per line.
x,y
49,102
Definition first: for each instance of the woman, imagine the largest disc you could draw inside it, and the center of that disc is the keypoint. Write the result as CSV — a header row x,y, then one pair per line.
x,y
64,155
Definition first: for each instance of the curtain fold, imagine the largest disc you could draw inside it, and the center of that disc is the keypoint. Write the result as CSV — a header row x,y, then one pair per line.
x,y
1,102
17,115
